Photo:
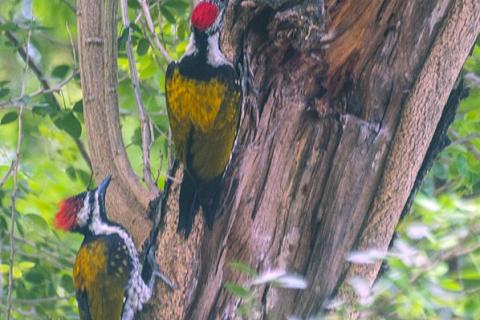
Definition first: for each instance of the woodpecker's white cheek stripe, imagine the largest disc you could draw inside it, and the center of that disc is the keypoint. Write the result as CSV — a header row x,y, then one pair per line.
x,y
138,293
215,57
82,216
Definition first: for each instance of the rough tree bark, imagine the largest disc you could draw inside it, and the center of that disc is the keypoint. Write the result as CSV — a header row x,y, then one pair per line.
x,y
341,105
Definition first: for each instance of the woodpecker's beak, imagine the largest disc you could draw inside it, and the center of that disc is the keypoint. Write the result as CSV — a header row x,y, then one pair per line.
x,y
102,187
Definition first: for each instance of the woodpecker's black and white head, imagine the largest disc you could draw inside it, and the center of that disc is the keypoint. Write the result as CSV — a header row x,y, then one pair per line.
x,y
207,22
82,212
85,213
207,16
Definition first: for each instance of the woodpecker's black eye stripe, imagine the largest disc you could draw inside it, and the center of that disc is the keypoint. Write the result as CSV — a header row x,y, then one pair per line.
x,y
91,207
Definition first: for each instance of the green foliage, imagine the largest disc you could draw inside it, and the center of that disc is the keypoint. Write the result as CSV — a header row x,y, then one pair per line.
x,y
51,166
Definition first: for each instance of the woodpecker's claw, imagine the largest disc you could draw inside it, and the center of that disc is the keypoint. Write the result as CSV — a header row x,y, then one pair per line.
x,y
169,283
156,272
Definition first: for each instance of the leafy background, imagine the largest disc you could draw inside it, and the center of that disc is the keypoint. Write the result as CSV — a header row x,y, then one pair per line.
x,y
434,265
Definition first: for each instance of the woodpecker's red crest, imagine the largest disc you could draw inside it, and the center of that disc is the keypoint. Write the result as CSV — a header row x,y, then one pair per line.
x,y
207,16
66,217
204,15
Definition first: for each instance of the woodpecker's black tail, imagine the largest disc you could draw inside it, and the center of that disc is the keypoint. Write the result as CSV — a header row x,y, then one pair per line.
x,y
189,204
208,196
193,195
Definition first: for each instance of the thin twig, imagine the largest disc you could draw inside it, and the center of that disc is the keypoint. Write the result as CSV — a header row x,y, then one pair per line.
x,y
7,174
72,45
151,27
58,87
144,120
16,163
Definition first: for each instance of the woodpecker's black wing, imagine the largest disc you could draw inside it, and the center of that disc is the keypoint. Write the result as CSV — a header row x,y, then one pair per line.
x,y
82,301
203,104
101,272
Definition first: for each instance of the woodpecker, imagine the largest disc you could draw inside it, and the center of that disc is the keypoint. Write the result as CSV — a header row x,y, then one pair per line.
x,y
203,96
107,272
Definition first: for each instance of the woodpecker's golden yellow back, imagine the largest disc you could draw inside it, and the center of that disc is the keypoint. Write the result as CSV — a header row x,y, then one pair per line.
x,y
203,117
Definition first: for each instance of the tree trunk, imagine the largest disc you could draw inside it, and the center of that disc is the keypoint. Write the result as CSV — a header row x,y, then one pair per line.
x,y
341,104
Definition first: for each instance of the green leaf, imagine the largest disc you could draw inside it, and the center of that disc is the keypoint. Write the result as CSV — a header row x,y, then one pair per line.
x,y
451,284
237,290
133,4
4,92
71,173
67,282
69,123
25,265
177,5
9,117
4,83
61,71
44,109
142,47
137,137
134,27
78,107
9,26
243,268
122,40
167,14
36,220
17,273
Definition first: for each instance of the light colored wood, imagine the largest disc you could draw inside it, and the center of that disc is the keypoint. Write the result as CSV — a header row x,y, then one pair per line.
x,y
127,199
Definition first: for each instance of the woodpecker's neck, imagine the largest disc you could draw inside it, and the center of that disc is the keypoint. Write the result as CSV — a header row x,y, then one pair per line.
x,y
206,48
94,216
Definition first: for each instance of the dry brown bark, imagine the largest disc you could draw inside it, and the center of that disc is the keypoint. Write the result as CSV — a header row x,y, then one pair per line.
x,y
339,114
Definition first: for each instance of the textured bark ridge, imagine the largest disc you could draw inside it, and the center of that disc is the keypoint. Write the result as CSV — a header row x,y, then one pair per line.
x,y
341,104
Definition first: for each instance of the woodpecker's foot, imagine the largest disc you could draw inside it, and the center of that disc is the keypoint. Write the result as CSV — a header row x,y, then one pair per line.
x,y
157,273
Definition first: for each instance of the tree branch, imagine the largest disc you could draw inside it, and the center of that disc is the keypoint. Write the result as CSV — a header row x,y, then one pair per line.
x,y
127,200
